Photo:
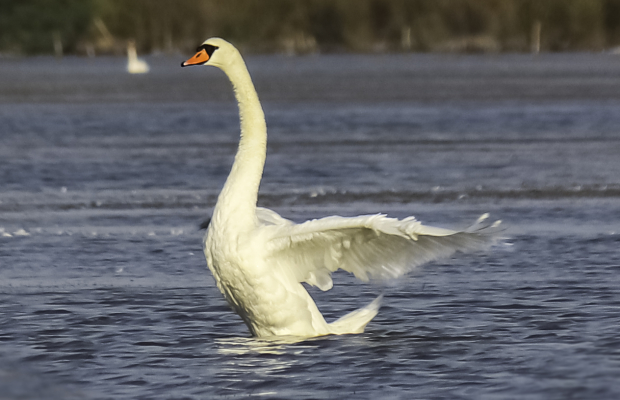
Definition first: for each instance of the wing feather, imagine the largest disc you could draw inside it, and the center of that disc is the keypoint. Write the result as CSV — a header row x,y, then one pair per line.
x,y
370,246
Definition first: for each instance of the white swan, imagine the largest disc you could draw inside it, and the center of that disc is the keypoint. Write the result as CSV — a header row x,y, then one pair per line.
x,y
134,64
259,259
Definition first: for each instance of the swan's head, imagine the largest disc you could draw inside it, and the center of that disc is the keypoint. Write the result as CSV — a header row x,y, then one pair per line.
x,y
215,51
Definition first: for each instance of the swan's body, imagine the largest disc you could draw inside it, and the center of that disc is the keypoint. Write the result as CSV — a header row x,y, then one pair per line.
x,y
134,64
259,259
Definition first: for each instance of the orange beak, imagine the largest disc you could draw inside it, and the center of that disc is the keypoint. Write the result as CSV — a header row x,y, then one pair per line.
x,y
199,58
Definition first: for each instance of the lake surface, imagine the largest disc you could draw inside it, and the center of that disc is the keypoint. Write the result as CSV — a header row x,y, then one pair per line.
x,y
106,177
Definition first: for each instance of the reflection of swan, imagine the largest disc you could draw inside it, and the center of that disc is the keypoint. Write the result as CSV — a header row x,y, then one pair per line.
x,y
134,64
275,345
259,259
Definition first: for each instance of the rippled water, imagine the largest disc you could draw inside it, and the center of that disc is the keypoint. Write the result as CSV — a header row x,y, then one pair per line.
x,y
105,179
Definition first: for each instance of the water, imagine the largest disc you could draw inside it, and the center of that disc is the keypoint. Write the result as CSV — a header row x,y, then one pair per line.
x,y
106,177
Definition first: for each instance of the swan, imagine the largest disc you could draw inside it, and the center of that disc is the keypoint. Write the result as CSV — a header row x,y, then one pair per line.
x,y
260,259
134,64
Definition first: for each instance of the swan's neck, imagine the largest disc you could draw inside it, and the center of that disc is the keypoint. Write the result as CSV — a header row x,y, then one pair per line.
x,y
131,53
239,195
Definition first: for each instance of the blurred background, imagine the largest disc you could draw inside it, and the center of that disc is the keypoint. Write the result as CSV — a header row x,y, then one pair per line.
x,y
103,26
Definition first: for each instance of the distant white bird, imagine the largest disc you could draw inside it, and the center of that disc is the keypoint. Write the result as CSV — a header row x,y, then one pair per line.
x,y
259,259
134,64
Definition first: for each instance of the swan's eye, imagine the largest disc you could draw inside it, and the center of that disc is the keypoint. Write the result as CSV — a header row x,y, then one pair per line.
x,y
208,48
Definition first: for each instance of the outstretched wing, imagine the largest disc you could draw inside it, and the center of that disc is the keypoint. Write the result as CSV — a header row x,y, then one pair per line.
x,y
371,246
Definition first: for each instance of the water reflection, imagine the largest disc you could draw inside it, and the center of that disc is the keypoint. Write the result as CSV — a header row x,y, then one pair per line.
x,y
275,346
261,365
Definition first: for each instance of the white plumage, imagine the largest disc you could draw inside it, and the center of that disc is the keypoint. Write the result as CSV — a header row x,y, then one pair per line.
x,y
134,64
259,259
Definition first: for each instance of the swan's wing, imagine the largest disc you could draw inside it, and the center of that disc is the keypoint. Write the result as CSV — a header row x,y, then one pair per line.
x,y
265,216
269,217
372,246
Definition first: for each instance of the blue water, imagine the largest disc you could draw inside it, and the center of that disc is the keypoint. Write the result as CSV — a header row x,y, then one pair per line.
x,y
105,179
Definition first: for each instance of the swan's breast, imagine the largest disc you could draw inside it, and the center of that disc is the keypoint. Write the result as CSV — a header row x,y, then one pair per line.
x,y
267,297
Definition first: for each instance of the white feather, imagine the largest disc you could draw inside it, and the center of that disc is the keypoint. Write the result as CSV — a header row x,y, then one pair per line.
x,y
372,246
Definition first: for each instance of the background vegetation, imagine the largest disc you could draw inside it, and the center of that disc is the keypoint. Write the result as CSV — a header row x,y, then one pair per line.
x,y
298,26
